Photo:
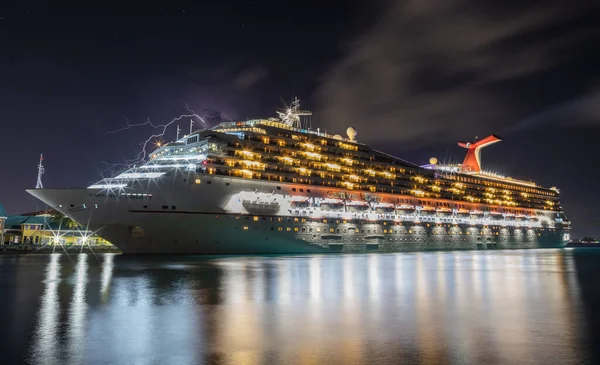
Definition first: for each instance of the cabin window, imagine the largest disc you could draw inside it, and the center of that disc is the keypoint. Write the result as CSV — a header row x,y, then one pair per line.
x,y
308,190
209,182
279,188
165,207
173,207
293,189
226,184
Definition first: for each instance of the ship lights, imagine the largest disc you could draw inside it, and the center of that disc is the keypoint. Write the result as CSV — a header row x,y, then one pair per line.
x,y
333,166
435,188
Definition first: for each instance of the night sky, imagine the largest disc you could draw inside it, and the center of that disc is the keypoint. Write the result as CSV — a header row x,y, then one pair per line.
x,y
412,76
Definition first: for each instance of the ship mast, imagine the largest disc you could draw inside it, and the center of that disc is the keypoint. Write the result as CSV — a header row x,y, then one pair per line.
x,y
41,170
291,115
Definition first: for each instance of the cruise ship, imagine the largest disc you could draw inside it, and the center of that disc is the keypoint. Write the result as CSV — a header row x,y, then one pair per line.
x,y
277,186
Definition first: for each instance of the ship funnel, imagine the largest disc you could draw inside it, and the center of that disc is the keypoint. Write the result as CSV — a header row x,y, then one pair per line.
x,y
472,160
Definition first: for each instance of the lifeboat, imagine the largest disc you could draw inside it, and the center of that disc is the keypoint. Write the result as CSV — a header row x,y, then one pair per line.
x,y
509,216
427,211
300,202
520,217
357,206
463,213
384,208
443,212
495,216
476,214
332,204
405,209
261,207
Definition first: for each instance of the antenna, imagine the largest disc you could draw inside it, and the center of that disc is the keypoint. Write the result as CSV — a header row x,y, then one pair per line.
x,y
41,170
191,125
177,139
291,115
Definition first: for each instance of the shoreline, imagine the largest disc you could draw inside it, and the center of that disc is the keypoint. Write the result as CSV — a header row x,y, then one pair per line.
x,y
45,250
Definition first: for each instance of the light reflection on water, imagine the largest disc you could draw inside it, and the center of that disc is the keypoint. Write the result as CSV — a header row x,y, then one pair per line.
x,y
455,307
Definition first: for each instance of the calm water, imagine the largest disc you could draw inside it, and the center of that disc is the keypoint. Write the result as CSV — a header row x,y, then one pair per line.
x,y
512,307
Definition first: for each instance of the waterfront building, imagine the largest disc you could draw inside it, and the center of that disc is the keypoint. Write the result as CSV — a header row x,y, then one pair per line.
x,y
46,229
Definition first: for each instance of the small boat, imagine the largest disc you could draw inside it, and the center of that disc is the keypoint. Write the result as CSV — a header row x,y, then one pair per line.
x,y
463,213
300,202
384,208
261,207
443,212
476,213
357,206
405,209
332,204
496,216
427,211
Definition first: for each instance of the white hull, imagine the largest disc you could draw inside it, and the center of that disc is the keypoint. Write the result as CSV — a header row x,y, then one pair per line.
x,y
179,216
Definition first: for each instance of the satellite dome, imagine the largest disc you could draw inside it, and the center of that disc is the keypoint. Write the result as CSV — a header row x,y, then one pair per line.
x,y
433,160
351,132
338,137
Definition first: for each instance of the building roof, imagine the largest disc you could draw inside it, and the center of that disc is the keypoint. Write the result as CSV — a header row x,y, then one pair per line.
x,y
2,211
15,222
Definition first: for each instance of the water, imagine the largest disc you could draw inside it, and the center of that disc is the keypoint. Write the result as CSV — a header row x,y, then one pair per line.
x,y
512,307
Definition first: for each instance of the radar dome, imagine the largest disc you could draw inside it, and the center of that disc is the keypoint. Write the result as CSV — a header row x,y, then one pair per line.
x,y
433,160
338,137
351,132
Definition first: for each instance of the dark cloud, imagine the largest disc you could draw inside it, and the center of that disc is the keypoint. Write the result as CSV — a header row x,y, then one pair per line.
x,y
453,68
249,77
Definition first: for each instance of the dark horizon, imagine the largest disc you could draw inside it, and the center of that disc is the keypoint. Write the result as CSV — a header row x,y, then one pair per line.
x,y
412,77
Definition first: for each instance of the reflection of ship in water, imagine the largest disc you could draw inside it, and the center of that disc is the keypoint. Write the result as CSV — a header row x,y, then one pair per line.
x,y
261,207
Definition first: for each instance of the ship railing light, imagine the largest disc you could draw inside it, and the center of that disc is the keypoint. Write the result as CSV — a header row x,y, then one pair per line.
x,y
107,186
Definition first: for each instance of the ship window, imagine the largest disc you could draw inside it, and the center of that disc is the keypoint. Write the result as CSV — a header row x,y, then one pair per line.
x,y
293,189
288,229
338,230
295,229
303,229
318,229
226,184
272,228
308,190
165,207
331,230
279,229
173,207
209,182
279,188
310,229
72,206
145,206
198,181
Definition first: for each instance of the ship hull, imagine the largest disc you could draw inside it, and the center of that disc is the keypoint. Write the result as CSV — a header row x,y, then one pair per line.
x,y
185,218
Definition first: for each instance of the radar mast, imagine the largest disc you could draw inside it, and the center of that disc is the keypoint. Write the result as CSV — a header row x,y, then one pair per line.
x,y
291,115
